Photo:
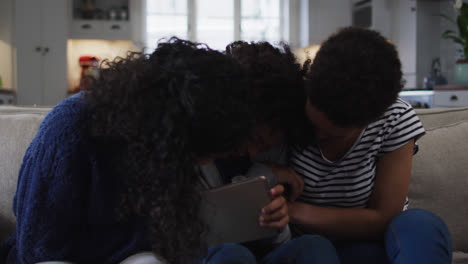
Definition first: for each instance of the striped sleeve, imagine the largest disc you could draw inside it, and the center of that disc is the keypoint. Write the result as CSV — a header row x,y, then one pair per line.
x,y
402,125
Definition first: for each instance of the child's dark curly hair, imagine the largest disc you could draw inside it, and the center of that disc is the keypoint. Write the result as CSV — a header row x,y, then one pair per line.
x,y
355,76
158,114
277,85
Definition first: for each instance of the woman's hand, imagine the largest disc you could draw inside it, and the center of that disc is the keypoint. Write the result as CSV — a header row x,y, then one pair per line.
x,y
275,214
287,176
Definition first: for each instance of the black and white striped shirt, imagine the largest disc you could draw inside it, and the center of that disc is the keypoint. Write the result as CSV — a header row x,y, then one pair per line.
x,y
348,181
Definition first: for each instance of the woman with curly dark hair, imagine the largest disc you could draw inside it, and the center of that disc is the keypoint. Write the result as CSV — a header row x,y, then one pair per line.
x,y
277,93
357,173
111,171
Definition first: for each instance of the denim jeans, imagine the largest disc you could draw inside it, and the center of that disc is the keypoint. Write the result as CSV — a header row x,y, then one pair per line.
x,y
308,249
414,236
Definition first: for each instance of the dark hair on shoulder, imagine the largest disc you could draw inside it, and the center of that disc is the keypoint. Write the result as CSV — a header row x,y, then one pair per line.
x,y
277,84
355,76
155,115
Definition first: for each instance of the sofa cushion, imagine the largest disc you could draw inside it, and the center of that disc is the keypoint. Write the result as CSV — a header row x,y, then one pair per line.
x,y
460,258
439,180
17,129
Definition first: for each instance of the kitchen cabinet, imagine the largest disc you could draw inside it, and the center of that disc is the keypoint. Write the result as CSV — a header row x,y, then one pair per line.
x,y
451,98
443,96
41,51
107,20
7,97
108,30
451,95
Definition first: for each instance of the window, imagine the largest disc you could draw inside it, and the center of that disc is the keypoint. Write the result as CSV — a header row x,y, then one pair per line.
x,y
215,22
165,18
261,20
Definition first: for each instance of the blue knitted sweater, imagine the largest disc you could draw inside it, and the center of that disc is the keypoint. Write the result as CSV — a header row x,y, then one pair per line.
x,y
66,197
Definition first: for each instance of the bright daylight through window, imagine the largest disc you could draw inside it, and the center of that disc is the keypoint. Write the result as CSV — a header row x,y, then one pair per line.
x,y
215,22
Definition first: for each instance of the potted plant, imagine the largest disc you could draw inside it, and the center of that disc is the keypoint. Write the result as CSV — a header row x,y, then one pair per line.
x,y
461,22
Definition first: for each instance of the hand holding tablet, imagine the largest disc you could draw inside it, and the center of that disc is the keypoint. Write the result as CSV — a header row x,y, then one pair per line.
x,y
232,212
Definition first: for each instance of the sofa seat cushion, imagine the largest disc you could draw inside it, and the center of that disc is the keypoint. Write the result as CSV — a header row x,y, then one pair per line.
x,y
460,258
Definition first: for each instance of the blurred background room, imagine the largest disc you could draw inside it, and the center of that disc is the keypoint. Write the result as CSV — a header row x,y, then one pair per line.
x,y
50,48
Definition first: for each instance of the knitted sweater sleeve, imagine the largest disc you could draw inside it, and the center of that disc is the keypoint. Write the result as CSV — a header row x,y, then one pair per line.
x,y
51,195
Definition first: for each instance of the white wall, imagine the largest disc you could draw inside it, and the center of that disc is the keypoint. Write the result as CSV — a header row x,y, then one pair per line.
x,y
6,43
326,17
403,24
428,36
303,23
415,29
448,49
381,16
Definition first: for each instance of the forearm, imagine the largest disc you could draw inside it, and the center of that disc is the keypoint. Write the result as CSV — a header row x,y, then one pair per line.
x,y
339,223
387,200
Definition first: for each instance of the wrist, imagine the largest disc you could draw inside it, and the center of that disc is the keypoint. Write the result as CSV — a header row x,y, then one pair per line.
x,y
293,209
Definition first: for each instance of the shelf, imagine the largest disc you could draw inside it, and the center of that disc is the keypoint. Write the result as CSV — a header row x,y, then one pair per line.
x,y
102,19
451,98
451,87
7,91
7,97
100,9
100,29
417,93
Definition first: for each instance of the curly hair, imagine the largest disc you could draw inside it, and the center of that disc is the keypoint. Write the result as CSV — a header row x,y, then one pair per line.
x,y
277,86
355,76
158,114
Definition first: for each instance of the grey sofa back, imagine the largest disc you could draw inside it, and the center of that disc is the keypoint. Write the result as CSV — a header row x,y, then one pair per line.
x,y
439,180
18,126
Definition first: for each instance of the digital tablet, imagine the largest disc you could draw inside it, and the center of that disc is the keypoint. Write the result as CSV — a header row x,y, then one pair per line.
x,y
232,212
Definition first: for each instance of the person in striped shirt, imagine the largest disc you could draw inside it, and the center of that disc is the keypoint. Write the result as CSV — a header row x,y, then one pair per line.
x,y
357,171
277,95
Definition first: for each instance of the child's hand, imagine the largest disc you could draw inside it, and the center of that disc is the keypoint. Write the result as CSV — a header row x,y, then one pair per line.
x,y
289,177
275,214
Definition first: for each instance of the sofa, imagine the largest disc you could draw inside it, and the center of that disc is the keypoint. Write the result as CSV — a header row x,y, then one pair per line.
x,y
439,180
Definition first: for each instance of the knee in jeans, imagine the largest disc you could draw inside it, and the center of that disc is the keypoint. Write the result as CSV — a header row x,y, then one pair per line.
x,y
419,219
419,224
418,232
